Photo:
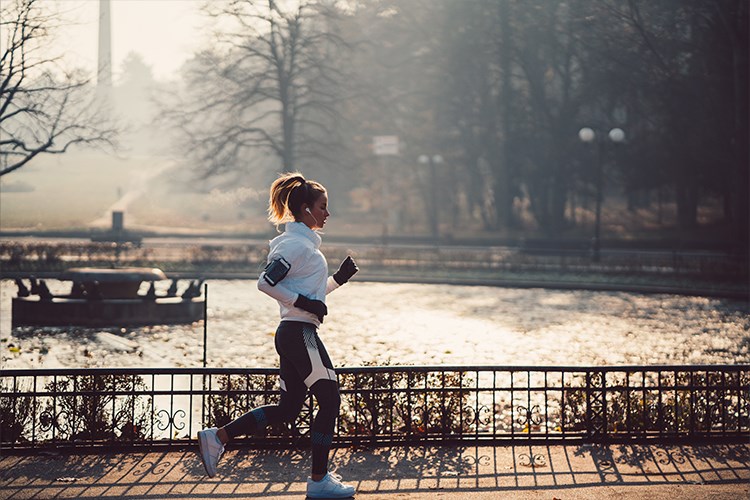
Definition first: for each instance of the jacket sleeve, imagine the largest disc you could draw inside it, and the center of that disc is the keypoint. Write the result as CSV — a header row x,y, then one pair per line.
x,y
331,285
280,292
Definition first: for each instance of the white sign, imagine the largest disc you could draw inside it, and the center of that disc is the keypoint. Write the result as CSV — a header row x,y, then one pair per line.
x,y
385,145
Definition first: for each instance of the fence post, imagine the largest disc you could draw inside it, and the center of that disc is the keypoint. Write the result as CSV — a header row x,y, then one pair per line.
x,y
596,406
205,322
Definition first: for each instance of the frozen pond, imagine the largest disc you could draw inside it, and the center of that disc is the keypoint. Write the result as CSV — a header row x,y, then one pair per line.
x,y
413,324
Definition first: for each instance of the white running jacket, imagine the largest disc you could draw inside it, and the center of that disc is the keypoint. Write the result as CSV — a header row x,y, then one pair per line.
x,y
308,275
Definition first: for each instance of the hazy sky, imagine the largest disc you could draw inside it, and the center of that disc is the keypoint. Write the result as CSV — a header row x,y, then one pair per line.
x,y
164,32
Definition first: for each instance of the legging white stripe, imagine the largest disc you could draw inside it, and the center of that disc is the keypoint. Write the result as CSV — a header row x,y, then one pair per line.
x,y
319,371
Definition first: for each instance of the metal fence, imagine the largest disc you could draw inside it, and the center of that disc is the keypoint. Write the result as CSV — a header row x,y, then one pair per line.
x,y
191,257
147,407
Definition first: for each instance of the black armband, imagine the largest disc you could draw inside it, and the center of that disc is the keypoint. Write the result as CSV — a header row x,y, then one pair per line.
x,y
276,271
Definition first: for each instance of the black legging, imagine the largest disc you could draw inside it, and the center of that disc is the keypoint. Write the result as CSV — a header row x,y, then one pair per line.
x,y
304,363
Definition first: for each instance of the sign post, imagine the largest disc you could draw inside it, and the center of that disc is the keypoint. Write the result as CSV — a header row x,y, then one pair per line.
x,y
384,146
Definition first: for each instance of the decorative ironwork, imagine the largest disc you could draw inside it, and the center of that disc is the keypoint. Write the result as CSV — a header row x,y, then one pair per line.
x,y
532,460
170,420
531,418
477,417
144,408
150,467
670,457
58,422
476,460
596,405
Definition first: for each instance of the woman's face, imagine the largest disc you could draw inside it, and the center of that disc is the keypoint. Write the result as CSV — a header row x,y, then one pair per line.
x,y
316,219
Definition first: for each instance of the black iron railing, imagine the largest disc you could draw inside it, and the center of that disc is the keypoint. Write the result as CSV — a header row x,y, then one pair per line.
x,y
236,257
141,407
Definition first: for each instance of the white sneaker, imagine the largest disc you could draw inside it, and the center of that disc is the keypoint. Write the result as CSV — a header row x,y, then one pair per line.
x,y
210,448
329,487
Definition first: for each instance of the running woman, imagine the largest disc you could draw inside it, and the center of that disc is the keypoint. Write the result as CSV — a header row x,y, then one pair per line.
x,y
296,276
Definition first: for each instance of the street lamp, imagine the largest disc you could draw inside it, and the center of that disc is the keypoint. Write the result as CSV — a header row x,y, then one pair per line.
x,y
433,215
587,134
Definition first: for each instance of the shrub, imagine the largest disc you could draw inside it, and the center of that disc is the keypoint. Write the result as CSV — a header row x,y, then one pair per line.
x,y
97,407
238,394
403,403
16,415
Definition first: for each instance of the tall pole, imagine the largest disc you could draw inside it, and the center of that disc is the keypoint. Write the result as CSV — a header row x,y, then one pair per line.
x,y
432,217
386,199
588,135
205,322
502,184
599,187
104,68
204,413
433,201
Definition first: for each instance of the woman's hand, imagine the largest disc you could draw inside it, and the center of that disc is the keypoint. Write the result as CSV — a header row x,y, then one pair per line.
x,y
316,307
347,269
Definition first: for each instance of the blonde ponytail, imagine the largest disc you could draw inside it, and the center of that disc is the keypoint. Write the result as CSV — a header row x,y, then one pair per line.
x,y
287,195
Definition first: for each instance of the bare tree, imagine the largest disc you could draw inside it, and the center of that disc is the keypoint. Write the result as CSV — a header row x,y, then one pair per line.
x,y
43,107
268,85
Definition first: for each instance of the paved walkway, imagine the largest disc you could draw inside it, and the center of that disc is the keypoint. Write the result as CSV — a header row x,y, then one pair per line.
x,y
448,472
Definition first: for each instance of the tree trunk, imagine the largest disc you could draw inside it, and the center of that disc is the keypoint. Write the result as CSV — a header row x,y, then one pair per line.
x,y
687,204
502,188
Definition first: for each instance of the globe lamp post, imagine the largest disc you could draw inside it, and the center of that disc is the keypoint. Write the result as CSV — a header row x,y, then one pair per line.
x,y
589,135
